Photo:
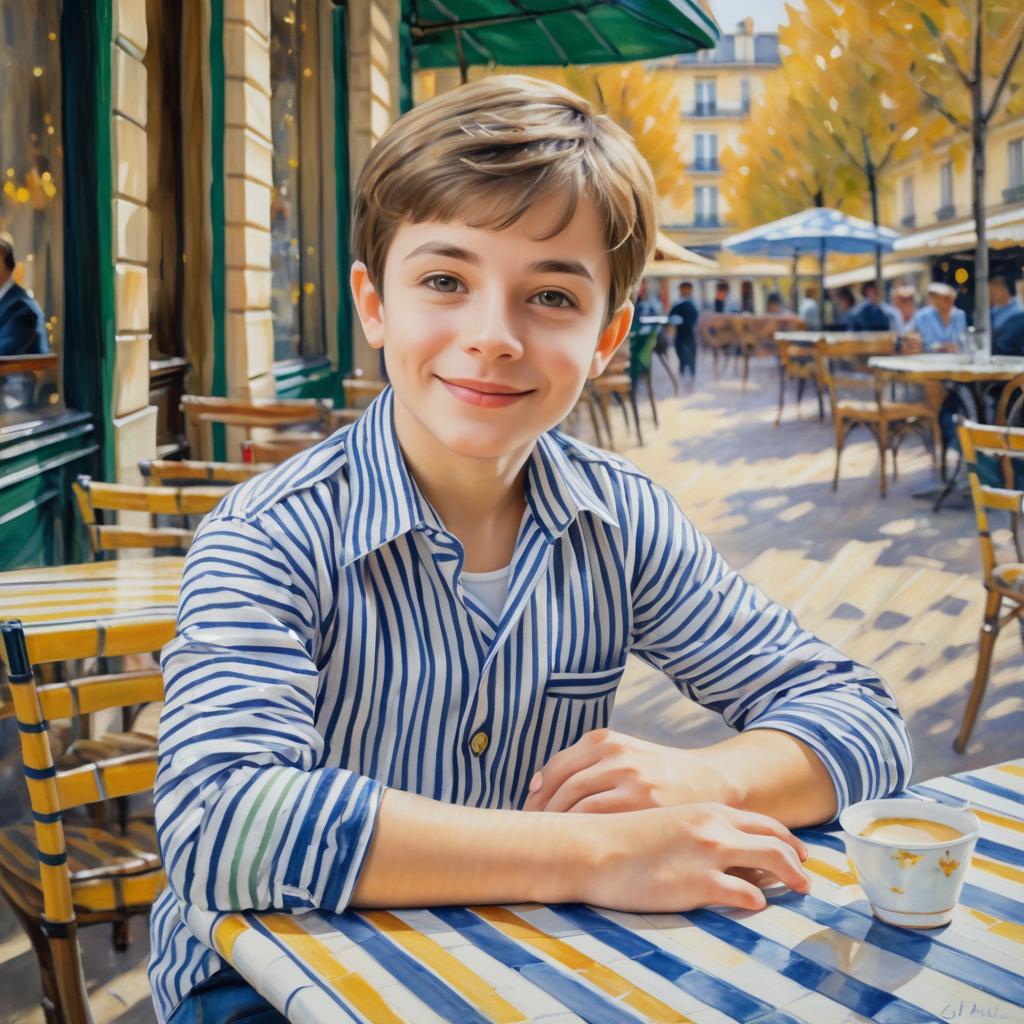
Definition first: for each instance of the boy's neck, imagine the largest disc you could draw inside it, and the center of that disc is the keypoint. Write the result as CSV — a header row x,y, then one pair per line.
x,y
480,500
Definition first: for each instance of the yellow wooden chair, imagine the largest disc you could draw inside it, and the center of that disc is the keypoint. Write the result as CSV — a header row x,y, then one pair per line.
x,y
798,362
192,473
616,383
56,875
1004,580
842,366
274,450
94,496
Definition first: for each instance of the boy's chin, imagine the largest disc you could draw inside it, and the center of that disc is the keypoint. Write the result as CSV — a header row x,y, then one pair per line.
x,y
483,444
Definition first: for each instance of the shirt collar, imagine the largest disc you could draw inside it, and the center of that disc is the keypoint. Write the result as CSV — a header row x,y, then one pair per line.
x,y
385,503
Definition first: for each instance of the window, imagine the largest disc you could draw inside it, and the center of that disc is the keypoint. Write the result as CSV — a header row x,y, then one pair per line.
x,y
705,97
908,201
946,206
745,94
706,205
1015,153
32,154
707,151
296,221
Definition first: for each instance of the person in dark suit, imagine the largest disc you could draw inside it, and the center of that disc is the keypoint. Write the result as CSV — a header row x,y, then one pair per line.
x,y
22,325
683,317
1008,337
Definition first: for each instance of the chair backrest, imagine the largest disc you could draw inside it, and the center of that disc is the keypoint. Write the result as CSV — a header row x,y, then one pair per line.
x,y
842,366
359,390
52,792
192,473
257,412
1010,410
1006,444
94,496
273,450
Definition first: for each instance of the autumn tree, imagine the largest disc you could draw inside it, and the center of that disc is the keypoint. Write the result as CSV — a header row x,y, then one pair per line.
x,y
965,58
783,163
850,79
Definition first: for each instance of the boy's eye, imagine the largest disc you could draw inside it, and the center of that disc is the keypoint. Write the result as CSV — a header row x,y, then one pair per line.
x,y
554,299
443,283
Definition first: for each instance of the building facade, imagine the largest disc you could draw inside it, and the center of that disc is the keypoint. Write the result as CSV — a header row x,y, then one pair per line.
x,y
176,179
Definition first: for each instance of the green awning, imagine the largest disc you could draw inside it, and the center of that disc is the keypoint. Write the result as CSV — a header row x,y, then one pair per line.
x,y
516,33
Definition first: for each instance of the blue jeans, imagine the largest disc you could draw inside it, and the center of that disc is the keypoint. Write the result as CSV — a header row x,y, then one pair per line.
x,y
225,998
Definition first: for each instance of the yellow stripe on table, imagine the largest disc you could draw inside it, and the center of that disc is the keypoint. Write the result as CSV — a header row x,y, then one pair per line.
x,y
602,977
997,926
448,967
1012,769
308,949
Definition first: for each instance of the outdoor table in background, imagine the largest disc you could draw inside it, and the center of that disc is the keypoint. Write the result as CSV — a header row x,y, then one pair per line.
x,y
951,369
93,595
820,958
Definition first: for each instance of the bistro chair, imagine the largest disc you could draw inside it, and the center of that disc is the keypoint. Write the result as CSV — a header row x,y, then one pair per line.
x,y
168,473
842,367
94,496
54,874
617,383
1004,580
359,390
798,362
276,449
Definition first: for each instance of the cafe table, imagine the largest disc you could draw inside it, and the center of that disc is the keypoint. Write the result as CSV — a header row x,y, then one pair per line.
x,y
821,958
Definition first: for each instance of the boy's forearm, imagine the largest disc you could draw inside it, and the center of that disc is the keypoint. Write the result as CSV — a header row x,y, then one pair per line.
x,y
774,773
427,853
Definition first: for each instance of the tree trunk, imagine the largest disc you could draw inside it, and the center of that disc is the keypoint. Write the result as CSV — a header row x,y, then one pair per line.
x,y
871,173
982,313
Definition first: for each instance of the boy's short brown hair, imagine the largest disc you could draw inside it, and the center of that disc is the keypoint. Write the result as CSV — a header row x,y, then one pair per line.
x,y
492,148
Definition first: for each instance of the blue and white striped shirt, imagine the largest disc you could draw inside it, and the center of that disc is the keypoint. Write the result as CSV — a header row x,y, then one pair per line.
x,y
326,649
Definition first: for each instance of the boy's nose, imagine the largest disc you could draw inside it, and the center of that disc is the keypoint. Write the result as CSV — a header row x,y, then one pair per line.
x,y
493,334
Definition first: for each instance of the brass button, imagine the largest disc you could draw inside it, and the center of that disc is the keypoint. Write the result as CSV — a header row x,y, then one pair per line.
x,y
478,744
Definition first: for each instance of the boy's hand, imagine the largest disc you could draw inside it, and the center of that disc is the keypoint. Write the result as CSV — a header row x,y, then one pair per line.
x,y
607,772
672,859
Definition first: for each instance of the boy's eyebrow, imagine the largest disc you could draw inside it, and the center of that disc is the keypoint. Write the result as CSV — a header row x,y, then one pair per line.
x,y
456,252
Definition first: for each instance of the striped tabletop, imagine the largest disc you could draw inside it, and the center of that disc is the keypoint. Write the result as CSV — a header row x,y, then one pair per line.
x,y
819,958
56,597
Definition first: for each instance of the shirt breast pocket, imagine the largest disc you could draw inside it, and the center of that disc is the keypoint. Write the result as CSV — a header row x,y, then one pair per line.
x,y
584,685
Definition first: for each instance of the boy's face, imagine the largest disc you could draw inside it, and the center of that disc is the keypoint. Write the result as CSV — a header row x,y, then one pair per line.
x,y
471,312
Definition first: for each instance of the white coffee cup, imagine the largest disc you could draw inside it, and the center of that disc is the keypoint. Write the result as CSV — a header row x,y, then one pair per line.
x,y
912,884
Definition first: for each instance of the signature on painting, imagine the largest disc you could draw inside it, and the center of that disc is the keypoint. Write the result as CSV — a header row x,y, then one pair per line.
x,y
963,1011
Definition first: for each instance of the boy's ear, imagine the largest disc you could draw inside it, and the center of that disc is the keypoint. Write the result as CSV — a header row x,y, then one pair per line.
x,y
611,338
368,304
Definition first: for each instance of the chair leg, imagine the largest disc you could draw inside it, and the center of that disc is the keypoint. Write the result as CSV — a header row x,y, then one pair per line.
x,y
986,642
602,407
650,394
636,416
51,1001
841,432
671,373
67,965
883,447
598,438
782,394
801,383
821,400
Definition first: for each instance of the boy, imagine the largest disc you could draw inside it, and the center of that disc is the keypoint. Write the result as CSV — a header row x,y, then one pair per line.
x,y
396,650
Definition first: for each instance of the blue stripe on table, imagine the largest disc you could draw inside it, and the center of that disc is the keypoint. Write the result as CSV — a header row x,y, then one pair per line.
x,y
254,922
874,1003
928,951
417,978
590,1005
1013,795
720,994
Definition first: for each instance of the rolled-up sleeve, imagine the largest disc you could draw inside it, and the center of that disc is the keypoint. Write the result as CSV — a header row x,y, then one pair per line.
x,y
247,816
730,649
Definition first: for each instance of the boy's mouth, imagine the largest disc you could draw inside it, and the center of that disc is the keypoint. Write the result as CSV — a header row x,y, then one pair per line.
x,y
488,394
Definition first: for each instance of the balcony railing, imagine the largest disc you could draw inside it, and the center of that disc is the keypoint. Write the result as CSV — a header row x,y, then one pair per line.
x,y
706,163
1013,194
945,212
707,220
705,110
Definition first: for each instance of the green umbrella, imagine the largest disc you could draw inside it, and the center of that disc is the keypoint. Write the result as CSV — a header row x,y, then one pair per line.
x,y
516,33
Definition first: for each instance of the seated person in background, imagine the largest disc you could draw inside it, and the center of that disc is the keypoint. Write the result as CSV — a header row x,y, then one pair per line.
x,y
843,301
904,300
870,314
810,311
774,305
1004,303
397,653
722,303
1008,337
941,324
22,325
683,318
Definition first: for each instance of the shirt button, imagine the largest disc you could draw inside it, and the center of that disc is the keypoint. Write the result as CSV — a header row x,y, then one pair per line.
x,y
478,744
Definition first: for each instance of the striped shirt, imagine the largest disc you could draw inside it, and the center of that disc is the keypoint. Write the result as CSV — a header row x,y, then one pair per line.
x,y
326,649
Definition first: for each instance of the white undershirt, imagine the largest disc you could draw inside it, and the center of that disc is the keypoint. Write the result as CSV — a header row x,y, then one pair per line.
x,y
489,588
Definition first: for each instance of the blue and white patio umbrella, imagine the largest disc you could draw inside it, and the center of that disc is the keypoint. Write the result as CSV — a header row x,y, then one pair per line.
x,y
819,230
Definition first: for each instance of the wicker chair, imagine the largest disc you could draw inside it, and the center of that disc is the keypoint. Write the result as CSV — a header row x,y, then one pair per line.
x,y
1004,580
55,875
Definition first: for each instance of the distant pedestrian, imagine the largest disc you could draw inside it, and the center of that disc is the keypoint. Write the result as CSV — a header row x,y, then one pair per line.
x,y
810,311
941,324
22,324
904,299
722,303
683,317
